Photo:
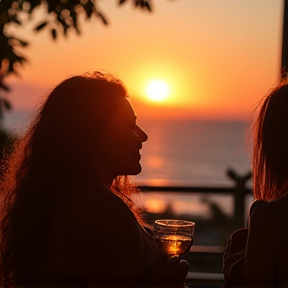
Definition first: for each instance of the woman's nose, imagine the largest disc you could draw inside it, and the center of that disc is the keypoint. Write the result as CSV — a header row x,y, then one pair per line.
x,y
143,137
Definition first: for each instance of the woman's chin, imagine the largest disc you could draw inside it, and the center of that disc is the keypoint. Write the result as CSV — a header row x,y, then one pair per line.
x,y
137,170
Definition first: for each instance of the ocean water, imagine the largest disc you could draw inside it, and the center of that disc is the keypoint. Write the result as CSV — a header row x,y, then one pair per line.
x,y
182,153
192,151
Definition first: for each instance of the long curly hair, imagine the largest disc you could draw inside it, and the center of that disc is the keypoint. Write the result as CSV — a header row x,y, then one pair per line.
x,y
46,153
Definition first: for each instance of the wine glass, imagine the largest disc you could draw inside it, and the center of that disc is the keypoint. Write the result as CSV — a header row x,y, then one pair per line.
x,y
174,237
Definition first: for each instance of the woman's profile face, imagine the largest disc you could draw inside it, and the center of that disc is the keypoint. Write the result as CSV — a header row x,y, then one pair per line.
x,y
123,142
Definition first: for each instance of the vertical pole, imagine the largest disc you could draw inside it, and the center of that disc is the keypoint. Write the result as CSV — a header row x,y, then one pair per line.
x,y
239,197
239,204
284,60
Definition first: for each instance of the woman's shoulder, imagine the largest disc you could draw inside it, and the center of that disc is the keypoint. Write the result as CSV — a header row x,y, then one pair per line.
x,y
110,205
99,204
272,214
97,232
109,214
90,206
276,206
82,197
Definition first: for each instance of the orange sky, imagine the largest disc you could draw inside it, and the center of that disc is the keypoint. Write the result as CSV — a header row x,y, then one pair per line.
x,y
218,57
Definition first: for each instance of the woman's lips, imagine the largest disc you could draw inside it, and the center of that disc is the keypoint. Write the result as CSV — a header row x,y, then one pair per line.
x,y
137,155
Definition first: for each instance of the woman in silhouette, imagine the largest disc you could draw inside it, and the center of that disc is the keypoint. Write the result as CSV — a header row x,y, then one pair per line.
x,y
68,219
263,261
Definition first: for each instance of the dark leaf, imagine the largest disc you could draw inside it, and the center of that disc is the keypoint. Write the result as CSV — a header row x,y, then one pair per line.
x,y
104,20
11,68
89,8
40,26
75,23
6,103
20,59
51,9
4,86
137,2
34,4
63,24
147,6
16,20
65,28
54,33
23,43
14,60
59,18
13,41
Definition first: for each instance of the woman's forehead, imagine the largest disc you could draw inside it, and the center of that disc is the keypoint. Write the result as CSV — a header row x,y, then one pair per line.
x,y
125,110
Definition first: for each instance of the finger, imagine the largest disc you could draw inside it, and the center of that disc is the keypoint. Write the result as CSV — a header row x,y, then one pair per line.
x,y
184,263
183,268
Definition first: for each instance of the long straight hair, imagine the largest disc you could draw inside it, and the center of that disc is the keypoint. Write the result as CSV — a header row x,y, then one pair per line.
x,y
270,146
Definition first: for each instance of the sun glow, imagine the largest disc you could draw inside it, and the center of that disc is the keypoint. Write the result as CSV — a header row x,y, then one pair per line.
x,y
157,90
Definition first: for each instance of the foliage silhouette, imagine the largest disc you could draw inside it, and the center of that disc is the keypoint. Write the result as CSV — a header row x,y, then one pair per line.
x,y
61,16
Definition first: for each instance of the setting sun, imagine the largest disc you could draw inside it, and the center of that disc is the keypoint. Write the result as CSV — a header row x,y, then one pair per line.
x,y
157,90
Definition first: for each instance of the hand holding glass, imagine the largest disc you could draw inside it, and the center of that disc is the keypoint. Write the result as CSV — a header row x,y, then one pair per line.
x,y
174,237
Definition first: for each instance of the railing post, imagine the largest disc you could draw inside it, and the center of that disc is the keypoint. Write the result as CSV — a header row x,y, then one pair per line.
x,y
239,197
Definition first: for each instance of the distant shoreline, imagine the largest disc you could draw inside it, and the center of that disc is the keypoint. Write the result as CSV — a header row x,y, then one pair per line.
x,y
17,121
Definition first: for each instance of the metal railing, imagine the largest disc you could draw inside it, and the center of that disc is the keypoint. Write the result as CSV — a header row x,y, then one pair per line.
x,y
238,191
